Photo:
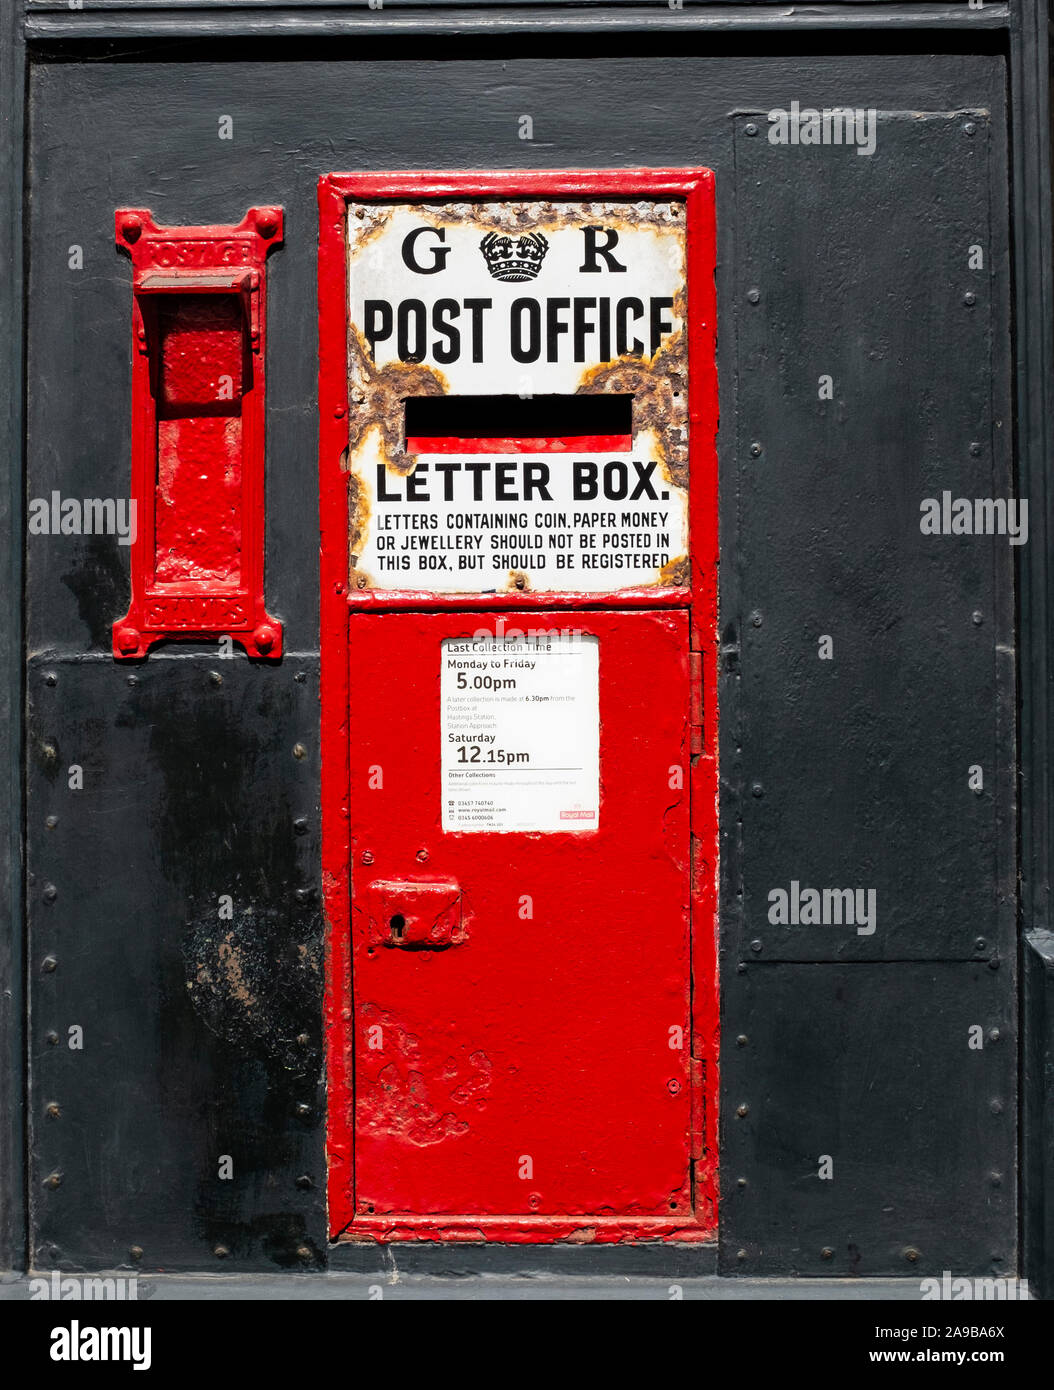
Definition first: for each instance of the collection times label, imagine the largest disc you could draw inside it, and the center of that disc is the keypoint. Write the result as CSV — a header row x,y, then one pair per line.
x,y
520,730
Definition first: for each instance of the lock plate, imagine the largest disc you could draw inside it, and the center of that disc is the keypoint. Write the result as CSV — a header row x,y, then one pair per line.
x,y
414,916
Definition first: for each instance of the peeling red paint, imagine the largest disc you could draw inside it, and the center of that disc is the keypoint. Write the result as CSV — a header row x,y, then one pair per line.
x,y
407,1096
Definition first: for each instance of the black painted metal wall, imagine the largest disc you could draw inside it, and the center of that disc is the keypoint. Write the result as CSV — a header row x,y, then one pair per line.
x,y
202,1033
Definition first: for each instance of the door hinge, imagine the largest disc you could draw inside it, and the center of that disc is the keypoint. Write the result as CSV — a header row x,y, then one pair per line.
x,y
695,669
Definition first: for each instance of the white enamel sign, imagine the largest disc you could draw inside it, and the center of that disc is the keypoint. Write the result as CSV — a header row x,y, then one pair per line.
x,y
517,396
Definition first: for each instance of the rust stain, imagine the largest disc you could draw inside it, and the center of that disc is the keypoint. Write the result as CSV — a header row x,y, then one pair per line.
x,y
376,396
519,580
230,960
659,387
676,573
585,1235
366,221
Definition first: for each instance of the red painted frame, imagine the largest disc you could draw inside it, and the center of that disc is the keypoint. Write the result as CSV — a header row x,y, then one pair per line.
x,y
696,188
180,261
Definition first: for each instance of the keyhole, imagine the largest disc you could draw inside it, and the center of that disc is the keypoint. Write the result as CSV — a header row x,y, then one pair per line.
x,y
398,926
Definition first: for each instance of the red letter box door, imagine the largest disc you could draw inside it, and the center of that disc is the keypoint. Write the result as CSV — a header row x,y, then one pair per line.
x,y
517,994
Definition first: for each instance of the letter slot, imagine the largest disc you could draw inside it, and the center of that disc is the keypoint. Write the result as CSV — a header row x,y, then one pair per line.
x,y
198,365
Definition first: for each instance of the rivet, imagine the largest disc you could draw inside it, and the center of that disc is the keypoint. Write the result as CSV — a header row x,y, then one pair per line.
x,y
133,680
741,1254
969,128
978,618
128,639
338,588
300,677
303,1039
741,968
755,449
742,1040
741,1182
136,1252
304,1182
340,412
53,1112
304,895
911,1254
994,1035
48,964
826,1253
49,750
996,1179
422,856
215,678
993,964
742,1110
50,892
221,1252
300,825
267,222
51,1039
673,1086
750,128
755,619
753,296
969,299
975,449
303,1110
304,1252
265,637
367,857
755,946
51,822
980,944
757,789
299,751
53,1180
996,1106
360,212
51,678
131,228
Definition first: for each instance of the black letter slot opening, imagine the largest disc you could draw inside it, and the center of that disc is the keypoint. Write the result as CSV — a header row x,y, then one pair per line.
x,y
514,424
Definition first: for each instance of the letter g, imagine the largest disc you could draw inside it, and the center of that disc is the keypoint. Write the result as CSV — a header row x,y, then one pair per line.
x,y
439,253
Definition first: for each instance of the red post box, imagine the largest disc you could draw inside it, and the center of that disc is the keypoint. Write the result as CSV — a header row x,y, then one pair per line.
x,y
198,359
519,545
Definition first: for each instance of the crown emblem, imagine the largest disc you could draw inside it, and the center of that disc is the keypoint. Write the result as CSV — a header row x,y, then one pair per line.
x,y
514,258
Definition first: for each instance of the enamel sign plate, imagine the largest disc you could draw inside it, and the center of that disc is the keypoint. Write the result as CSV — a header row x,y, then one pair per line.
x,y
517,396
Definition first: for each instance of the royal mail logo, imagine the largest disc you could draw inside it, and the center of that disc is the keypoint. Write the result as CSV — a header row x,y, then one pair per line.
x,y
514,259
578,815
